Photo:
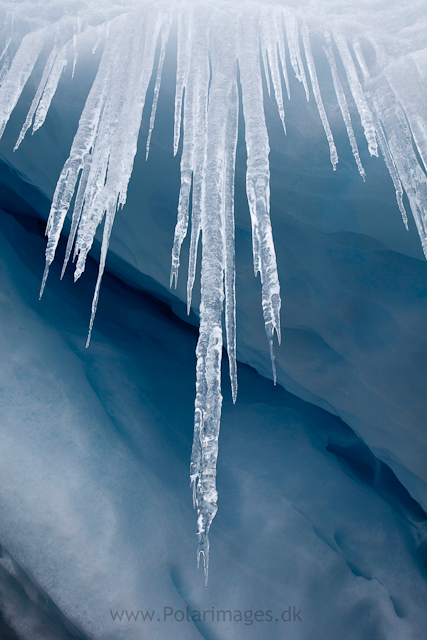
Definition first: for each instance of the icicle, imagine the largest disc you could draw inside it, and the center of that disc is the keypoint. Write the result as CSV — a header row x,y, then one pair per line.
x,y
216,216
342,102
318,97
50,88
163,42
194,132
282,50
36,99
82,144
185,36
18,74
124,74
199,170
258,177
400,145
291,25
117,139
109,219
185,40
391,169
357,92
269,39
230,273
265,62
75,52
411,91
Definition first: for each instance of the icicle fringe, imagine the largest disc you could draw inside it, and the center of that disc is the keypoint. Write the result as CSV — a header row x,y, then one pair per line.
x,y
217,48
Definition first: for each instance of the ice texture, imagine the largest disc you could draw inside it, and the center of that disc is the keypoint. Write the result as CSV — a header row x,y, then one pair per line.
x,y
377,75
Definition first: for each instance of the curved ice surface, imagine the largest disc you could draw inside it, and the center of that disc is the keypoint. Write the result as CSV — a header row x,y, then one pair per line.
x,y
93,468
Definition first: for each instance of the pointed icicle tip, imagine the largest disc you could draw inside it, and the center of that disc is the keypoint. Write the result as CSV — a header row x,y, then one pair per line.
x,y
45,274
205,565
64,267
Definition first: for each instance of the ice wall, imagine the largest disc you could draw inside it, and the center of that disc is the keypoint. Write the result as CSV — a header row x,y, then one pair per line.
x,y
96,512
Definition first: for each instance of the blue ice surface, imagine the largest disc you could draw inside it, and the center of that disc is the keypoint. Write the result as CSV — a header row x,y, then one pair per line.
x,y
95,497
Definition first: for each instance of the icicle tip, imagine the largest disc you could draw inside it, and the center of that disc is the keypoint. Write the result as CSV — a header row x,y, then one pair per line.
x,y
43,284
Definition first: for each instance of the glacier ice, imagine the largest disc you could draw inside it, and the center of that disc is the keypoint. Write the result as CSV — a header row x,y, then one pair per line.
x,y
221,51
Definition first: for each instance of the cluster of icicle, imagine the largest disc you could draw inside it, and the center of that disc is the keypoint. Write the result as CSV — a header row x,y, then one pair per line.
x,y
217,48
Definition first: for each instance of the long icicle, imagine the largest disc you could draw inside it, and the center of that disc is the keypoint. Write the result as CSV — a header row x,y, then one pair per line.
x,y
342,102
291,24
357,91
269,41
231,133
199,161
185,42
222,119
399,146
185,36
318,97
195,108
163,42
388,159
258,177
282,49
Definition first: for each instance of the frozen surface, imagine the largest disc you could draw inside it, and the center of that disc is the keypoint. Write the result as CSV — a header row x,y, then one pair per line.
x,y
353,281
95,502
358,66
